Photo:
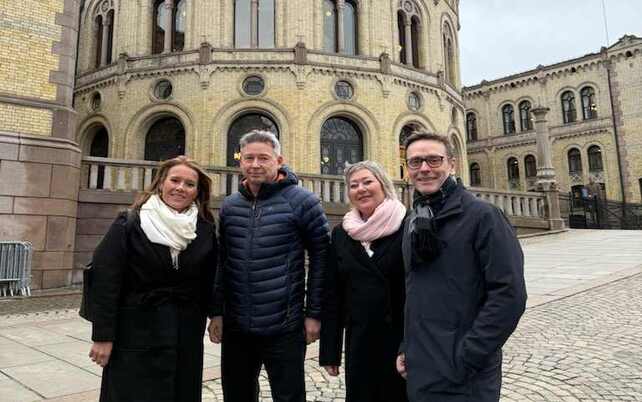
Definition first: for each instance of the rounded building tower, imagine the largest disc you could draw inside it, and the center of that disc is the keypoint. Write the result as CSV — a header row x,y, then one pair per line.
x,y
337,80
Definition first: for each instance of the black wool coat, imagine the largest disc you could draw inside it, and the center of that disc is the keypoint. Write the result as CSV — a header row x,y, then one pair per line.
x,y
462,306
154,314
364,298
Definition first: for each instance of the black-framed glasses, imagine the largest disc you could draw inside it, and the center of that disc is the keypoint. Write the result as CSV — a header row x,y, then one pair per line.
x,y
434,161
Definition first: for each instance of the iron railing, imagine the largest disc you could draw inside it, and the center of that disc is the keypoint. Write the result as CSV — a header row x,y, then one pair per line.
x,y
15,268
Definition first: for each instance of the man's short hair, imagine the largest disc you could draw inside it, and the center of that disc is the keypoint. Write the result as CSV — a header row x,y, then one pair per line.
x,y
424,135
266,137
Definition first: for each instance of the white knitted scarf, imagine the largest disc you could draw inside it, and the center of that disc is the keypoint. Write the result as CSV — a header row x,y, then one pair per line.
x,y
163,225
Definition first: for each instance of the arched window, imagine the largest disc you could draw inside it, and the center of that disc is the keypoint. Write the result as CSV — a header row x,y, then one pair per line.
x,y
341,144
165,140
242,126
170,19
337,40
99,148
574,161
409,29
530,165
508,117
471,126
595,159
406,132
475,175
569,112
589,108
512,166
525,122
110,37
449,53
99,40
266,27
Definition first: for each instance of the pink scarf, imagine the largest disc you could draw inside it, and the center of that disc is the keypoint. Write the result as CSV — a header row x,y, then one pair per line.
x,y
385,220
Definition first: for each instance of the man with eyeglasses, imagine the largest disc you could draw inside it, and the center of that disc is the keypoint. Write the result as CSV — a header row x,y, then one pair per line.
x,y
264,311
465,289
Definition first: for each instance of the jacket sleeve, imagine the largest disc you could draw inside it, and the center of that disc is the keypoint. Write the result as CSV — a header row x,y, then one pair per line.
x,y
217,305
332,323
315,232
109,264
210,267
502,264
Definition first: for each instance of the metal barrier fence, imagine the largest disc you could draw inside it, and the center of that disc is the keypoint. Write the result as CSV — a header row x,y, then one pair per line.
x,y
15,268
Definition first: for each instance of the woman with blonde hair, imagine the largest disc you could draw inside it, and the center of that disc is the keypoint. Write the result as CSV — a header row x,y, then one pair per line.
x,y
365,289
153,274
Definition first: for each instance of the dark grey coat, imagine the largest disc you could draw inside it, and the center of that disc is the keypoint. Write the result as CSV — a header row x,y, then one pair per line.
x,y
462,306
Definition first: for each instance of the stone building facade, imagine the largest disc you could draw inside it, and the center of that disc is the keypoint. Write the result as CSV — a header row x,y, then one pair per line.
x,y
338,81
594,119
39,158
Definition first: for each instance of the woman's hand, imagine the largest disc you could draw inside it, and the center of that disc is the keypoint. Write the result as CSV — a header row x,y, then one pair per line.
x,y
215,329
401,365
332,370
100,352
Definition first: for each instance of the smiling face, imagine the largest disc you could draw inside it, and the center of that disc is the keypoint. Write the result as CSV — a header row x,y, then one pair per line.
x,y
428,180
259,164
365,192
180,187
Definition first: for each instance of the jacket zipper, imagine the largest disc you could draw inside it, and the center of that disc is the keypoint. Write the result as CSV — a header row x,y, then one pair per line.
x,y
247,266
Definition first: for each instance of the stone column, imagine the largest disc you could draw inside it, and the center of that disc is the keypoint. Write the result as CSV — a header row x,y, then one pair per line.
x,y
546,181
408,44
105,41
168,22
254,24
341,43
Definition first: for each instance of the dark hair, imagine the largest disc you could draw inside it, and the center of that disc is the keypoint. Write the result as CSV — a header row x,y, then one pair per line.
x,y
426,136
204,185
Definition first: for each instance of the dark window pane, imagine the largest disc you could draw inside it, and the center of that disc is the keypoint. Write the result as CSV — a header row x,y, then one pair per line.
x,y
253,85
402,36
344,90
509,120
179,26
350,28
339,137
414,31
99,40
471,127
242,20
589,108
414,101
165,140
574,161
163,89
100,144
595,159
568,107
329,26
242,126
525,121
266,23
531,166
513,174
475,175
158,37
110,36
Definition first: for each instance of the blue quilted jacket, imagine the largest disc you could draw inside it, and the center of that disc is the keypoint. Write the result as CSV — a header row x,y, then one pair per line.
x,y
260,283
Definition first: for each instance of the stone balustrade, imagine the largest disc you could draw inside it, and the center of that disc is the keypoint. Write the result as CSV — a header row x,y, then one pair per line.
x,y
105,174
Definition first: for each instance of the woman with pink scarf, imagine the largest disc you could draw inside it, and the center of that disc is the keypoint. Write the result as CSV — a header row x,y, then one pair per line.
x,y
365,289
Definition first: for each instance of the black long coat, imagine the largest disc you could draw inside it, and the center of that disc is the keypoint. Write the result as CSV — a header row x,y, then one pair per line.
x,y
365,297
462,306
154,314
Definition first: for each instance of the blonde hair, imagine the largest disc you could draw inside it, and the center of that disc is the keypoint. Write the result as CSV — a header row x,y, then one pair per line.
x,y
377,171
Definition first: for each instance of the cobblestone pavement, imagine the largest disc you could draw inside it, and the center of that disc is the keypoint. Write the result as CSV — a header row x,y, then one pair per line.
x,y
21,306
585,347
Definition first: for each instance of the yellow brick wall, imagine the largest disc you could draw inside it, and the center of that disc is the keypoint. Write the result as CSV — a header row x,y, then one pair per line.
x,y
27,34
25,120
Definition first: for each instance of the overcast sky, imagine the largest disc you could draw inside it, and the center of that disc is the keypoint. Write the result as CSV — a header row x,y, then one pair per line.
x,y
503,37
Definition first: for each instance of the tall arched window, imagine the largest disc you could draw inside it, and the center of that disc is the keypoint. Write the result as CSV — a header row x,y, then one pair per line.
x,y
99,147
103,36
525,122
99,40
266,27
530,165
574,161
341,144
170,19
342,40
595,159
110,37
449,53
165,140
475,175
508,117
589,108
569,112
242,126
471,126
406,131
512,166
409,28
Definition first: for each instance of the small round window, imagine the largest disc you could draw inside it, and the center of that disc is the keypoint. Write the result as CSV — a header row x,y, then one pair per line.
x,y
414,101
344,90
253,85
96,101
163,89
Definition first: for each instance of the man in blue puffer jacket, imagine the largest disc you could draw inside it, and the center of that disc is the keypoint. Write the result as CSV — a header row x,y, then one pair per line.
x,y
265,230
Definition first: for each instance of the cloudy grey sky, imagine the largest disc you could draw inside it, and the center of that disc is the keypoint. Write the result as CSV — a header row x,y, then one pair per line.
x,y
502,37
